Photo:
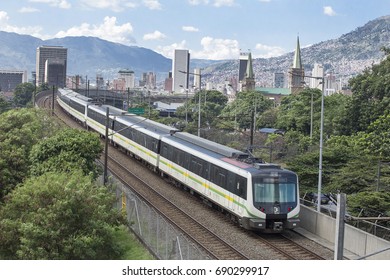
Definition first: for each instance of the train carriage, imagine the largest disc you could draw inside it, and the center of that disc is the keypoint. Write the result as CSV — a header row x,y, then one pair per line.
x,y
141,137
260,196
74,103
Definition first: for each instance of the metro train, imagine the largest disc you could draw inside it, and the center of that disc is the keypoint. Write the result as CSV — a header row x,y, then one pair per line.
x,y
259,196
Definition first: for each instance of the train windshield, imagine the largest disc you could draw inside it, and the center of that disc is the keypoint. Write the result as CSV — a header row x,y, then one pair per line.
x,y
281,188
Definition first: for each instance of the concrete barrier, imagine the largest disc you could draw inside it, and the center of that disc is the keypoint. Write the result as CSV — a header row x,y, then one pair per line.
x,y
356,241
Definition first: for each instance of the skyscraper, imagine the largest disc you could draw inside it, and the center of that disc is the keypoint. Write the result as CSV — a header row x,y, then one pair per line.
x,y
50,66
180,64
296,73
318,71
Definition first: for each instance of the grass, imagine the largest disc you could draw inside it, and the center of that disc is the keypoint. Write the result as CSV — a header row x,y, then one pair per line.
x,y
135,250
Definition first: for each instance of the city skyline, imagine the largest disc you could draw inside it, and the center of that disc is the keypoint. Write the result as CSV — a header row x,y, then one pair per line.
x,y
209,29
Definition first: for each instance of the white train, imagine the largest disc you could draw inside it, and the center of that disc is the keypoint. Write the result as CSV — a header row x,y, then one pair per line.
x,y
259,196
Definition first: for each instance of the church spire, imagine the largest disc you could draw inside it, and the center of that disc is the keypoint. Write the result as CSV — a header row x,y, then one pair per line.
x,y
297,63
249,68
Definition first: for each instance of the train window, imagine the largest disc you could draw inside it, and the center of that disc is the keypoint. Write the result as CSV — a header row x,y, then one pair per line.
x,y
231,182
264,192
241,186
164,150
287,192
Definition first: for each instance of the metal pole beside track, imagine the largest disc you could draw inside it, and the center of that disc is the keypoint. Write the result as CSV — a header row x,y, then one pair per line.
x,y
105,179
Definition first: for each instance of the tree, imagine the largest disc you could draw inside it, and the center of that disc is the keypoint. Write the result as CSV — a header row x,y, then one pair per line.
x,y
371,96
59,216
20,129
68,150
23,94
376,138
242,109
4,105
212,103
373,204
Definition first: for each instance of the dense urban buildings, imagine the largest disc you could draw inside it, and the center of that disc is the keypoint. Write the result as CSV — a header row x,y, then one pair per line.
x,y
51,62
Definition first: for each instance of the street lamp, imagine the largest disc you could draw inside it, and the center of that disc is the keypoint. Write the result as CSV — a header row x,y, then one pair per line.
x,y
321,141
200,92
186,89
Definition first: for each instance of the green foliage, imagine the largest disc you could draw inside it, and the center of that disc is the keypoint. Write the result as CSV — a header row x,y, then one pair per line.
x,y
68,150
212,103
4,105
357,175
19,130
372,203
295,111
23,94
244,106
376,140
371,96
59,216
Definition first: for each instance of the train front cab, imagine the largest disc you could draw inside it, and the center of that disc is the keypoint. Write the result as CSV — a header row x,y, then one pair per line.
x,y
275,199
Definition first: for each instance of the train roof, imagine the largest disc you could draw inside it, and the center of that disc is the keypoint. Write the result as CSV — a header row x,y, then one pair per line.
x,y
135,120
74,95
220,152
210,145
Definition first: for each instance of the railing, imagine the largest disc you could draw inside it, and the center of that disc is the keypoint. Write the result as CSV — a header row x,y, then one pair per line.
x,y
373,225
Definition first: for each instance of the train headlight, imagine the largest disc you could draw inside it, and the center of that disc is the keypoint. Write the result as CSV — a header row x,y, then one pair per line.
x,y
276,209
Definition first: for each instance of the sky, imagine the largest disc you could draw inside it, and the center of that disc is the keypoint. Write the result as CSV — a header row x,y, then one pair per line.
x,y
209,29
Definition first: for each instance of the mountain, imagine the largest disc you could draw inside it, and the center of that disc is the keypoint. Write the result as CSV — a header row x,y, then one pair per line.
x,y
345,56
86,55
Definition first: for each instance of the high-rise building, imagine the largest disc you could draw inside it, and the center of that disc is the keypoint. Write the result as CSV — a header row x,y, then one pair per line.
x,y
318,71
50,66
128,76
9,79
180,64
168,83
296,72
197,78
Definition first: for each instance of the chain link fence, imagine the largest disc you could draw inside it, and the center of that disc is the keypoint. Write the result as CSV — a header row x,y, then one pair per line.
x,y
163,240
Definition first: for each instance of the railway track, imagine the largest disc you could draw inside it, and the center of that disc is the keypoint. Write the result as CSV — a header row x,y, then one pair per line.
x,y
200,235
280,247
288,248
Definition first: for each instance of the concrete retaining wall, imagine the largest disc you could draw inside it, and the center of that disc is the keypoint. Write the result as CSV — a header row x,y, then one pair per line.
x,y
356,241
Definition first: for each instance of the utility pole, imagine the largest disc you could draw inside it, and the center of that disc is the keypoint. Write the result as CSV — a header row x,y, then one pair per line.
x,y
339,235
105,176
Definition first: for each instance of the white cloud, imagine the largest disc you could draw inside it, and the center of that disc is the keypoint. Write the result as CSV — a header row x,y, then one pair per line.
x,y
216,3
63,4
217,49
190,29
265,51
28,30
328,10
198,2
113,5
108,30
26,10
168,51
120,5
156,35
152,4
264,1
221,3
